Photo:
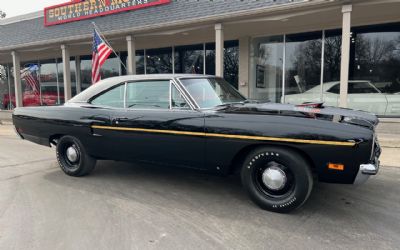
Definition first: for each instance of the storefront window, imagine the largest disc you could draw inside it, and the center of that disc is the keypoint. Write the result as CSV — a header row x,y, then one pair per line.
x,y
332,62
109,69
332,55
140,62
51,91
231,61
210,58
11,82
374,83
268,62
74,83
86,72
60,69
374,78
303,67
189,59
159,61
30,84
5,88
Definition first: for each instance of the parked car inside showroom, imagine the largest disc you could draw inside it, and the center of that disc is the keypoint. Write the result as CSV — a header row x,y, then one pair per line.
x,y
362,95
47,96
202,122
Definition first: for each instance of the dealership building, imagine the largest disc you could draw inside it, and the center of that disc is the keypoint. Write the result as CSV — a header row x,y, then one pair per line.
x,y
342,52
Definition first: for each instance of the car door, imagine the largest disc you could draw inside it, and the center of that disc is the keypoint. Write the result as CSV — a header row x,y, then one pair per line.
x,y
364,96
156,125
331,95
393,107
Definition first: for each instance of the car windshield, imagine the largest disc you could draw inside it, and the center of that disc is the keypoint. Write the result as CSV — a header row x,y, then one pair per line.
x,y
211,92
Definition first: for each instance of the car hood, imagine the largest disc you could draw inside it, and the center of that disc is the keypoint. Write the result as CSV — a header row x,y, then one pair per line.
x,y
344,115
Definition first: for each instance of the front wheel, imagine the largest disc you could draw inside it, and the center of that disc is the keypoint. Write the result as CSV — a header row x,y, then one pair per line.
x,y
277,179
72,157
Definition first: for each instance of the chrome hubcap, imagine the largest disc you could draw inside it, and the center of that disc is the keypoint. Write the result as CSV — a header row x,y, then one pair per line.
x,y
274,178
72,154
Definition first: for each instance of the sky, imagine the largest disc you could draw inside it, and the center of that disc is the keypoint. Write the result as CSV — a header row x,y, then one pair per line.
x,y
14,7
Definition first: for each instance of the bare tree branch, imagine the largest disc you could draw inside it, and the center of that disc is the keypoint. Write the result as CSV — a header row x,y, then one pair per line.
x,y
2,14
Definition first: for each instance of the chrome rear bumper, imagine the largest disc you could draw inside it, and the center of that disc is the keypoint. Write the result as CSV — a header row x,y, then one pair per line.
x,y
365,171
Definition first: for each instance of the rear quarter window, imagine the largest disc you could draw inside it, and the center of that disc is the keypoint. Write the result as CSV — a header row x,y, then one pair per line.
x,y
113,97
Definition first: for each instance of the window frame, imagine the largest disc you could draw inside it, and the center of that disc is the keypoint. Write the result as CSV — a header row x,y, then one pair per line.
x,y
329,90
147,80
90,101
197,106
367,83
171,83
181,94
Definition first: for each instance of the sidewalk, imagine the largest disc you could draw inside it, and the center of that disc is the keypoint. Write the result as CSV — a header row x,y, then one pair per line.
x,y
5,117
390,144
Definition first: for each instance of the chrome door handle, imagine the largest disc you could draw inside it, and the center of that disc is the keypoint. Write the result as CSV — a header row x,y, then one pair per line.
x,y
120,119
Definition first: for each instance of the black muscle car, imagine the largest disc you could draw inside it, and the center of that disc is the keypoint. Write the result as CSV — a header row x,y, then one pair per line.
x,y
202,122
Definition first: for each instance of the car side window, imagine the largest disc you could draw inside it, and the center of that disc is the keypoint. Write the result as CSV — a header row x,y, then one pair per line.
x,y
111,98
335,89
148,94
361,88
177,100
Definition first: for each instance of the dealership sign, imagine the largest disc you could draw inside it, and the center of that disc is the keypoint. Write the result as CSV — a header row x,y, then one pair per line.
x,y
84,9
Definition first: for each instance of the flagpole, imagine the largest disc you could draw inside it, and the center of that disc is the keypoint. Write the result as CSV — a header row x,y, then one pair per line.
x,y
108,44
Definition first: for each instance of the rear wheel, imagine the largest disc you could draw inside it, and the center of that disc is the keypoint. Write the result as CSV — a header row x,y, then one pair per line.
x,y
72,157
277,179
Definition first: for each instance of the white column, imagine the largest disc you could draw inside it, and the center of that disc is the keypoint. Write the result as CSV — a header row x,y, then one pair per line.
x,y
344,67
131,59
244,49
17,78
219,50
67,72
78,75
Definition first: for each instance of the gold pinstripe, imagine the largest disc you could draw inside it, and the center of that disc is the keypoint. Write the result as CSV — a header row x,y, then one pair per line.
x,y
230,136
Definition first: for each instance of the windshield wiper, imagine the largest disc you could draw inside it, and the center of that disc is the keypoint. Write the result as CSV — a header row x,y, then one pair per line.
x,y
230,104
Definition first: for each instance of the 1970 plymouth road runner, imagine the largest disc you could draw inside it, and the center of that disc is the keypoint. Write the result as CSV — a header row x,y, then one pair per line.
x,y
202,122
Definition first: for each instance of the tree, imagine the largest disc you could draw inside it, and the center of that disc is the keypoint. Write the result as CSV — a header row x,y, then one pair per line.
x,y
2,14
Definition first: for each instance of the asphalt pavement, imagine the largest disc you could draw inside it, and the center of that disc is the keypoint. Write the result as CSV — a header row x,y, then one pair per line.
x,y
130,206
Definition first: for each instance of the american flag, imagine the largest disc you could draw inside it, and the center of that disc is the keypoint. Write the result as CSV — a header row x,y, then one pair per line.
x,y
29,75
101,51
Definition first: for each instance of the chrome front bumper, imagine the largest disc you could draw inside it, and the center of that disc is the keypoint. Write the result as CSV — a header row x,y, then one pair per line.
x,y
365,171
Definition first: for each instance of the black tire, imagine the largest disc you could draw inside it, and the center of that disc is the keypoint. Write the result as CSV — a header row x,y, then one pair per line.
x,y
83,165
295,180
